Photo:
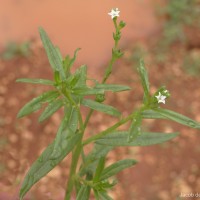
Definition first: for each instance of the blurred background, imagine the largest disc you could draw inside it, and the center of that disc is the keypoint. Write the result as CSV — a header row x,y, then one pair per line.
x,y
166,33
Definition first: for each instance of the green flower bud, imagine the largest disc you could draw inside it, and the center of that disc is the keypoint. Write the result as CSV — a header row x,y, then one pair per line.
x,y
100,98
122,24
117,53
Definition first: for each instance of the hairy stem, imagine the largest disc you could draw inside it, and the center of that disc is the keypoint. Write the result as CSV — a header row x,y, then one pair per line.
x,y
108,70
75,157
79,146
114,127
107,131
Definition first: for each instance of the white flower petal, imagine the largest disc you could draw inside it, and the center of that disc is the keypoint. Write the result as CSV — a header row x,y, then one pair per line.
x,y
114,13
161,98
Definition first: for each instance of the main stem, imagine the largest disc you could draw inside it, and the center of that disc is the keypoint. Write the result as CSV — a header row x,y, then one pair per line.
x,y
75,157
77,152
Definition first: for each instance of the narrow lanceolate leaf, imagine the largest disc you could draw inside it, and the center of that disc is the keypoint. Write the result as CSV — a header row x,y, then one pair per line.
x,y
58,52
99,169
51,109
65,141
98,152
52,53
116,168
113,88
84,193
35,81
151,114
73,79
119,138
104,196
45,163
36,103
68,62
96,194
144,78
66,130
135,128
87,91
83,76
91,161
101,107
178,118
71,62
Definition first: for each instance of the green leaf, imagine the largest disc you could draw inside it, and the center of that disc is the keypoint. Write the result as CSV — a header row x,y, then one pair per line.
x,y
144,79
151,114
91,160
35,81
65,141
135,128
45,163
73,79
78,79
57,77
96,194
66,130
102,186
116,168
104,196
68,62
77,185
119,138
84,193
72,116
98,152
177,118
36,103
83,76
52,53
113,88
51,109
74,57
99,169
59,53
87,91
100,107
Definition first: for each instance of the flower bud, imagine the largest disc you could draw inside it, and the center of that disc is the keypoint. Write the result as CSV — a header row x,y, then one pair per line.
x,y
122,24
100,98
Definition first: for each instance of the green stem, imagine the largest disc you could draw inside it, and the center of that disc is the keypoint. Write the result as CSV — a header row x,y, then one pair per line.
x,y
107,73
88,118
76,154
77,151
109,69
114,58
107,131
71,100
75,157
114,127
117,31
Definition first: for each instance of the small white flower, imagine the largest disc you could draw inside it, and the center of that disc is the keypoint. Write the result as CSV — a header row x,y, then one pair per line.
x,y
114,13
161,98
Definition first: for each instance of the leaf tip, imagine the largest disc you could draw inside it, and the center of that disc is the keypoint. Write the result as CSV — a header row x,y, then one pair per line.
x,y
19,115
40,120
40,29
